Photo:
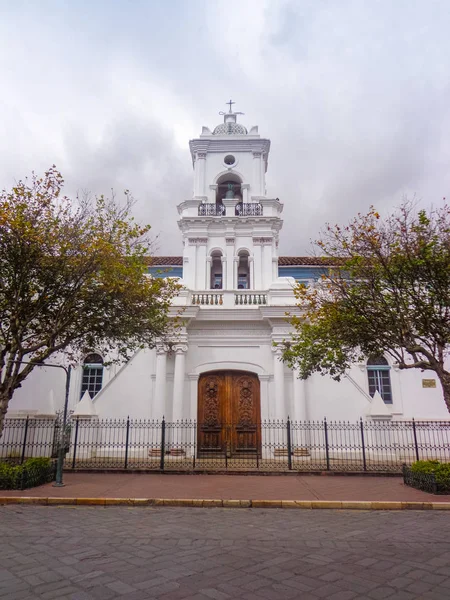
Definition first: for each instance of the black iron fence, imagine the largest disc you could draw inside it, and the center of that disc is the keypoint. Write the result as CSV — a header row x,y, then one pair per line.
x,y
362,446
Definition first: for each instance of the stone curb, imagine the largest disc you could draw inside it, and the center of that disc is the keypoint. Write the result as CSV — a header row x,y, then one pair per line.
x,y
206,503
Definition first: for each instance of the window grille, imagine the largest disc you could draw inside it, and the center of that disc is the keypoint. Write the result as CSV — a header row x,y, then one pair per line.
x,y
92,379
379,378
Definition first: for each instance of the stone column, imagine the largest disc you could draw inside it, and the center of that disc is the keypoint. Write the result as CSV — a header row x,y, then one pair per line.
x,y
178,381
159,406
299,412
278,375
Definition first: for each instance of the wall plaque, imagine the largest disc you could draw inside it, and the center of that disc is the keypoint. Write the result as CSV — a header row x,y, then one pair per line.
x,y
429,383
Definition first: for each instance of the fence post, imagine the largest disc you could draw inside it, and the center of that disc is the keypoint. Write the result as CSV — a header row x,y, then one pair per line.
x,y
289,445
327,450
163,443
75,442
127,439
24,445
362,443
416,446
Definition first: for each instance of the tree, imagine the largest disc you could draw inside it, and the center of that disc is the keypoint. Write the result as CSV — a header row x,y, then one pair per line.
x,y
386,289
72,279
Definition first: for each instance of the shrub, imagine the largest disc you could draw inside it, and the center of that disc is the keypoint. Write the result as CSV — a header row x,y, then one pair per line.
x,y
33,472
441,472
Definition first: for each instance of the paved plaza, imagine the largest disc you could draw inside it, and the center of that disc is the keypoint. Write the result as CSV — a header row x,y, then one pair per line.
x,y
84,553
254,487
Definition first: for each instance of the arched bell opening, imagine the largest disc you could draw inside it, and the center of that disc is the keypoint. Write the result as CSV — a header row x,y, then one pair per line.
x,y
243,274
216,270
228,186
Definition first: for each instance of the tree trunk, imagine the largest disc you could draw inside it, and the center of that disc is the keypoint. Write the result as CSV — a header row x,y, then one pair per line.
x,y
444,378
5,397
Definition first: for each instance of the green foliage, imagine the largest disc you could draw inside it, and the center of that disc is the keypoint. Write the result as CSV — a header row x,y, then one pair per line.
x,y
387,290
72,279
441,472
33,472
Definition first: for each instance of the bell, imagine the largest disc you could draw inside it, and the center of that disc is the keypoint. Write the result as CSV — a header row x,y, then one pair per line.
x,y
230,192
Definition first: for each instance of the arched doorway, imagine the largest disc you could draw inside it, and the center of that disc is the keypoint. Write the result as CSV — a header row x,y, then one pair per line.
x,y
229,413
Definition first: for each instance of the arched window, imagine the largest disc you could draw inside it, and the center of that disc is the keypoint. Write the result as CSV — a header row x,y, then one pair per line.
x,y
229,182
243,282
92,380
216,270
378,374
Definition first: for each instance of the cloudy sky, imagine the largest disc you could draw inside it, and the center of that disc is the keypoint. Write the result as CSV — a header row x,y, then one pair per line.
x,y
354,95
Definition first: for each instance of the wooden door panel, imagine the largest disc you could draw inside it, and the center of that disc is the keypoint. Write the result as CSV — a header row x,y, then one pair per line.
x,y
211,405
245,411
228,412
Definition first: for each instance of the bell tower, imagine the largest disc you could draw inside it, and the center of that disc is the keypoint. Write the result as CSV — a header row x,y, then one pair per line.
x,y
230,228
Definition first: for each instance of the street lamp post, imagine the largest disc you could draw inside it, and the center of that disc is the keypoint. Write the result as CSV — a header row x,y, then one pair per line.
x,y
61,453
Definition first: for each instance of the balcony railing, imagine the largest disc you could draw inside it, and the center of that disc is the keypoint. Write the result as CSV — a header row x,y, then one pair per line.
x,y
250,298
249,209
211,209
229,298
207,299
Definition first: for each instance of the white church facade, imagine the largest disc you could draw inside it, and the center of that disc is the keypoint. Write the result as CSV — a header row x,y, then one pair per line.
x,y
224,366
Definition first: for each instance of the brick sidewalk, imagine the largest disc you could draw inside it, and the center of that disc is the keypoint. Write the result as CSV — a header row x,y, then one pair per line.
x,y
245,487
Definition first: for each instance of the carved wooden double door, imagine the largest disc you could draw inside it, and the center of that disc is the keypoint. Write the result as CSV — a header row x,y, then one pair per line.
x,y
229,413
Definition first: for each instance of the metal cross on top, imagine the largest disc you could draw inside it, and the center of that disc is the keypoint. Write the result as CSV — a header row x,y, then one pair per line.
x,y
230,103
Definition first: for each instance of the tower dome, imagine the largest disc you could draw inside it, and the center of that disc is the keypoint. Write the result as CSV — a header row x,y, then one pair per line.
x,y
230,128
230,125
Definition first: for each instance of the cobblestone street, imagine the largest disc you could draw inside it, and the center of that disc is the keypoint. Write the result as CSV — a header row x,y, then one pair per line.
x,y
83,553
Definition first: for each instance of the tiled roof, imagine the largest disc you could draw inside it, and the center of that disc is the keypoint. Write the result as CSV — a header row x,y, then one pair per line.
x,y
165,261
283,261
295,261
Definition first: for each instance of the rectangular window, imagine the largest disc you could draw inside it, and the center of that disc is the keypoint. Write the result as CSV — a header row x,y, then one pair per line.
x,y
92,380
379,379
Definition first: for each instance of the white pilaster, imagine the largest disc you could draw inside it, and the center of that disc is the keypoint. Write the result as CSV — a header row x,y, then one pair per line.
x,y
256,187
160,383
193,384
257,266
230,263
224,272
212,193
235,272
266,262
178,382
278,375
201,264
199,180
299,412
208,273
251,283
245,187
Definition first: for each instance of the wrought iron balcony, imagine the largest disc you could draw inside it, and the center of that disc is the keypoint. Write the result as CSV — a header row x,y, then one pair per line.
x,y
211,209
249,209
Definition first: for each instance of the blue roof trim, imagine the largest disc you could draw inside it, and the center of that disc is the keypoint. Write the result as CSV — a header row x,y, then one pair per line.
x,y
166,271
301,272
